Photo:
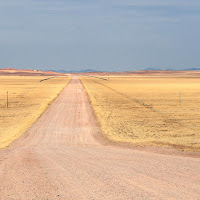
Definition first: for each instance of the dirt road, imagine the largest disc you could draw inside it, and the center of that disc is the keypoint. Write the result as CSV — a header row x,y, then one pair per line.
x,y
61,157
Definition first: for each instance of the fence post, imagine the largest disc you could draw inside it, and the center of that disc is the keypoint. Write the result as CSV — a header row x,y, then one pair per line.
x,y
7,100
180,98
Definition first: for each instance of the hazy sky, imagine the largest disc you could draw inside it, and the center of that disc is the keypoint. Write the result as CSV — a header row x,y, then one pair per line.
x,y
99,34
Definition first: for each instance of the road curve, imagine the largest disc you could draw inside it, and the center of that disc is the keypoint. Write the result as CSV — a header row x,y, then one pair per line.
x,y
60,157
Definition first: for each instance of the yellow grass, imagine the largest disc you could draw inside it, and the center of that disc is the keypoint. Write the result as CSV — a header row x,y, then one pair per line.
x,y
147,110
28,99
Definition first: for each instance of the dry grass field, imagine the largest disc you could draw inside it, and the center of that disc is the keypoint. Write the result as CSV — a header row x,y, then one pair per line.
x,y
158,111
28,99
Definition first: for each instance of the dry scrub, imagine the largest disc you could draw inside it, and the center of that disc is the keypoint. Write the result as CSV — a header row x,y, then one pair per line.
x,y
158,111
28,99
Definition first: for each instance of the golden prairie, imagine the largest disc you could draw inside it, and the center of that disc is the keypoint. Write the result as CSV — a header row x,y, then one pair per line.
x,y
28,99
158,111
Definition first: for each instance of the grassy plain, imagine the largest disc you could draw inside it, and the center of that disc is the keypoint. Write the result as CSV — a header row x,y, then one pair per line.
x,y
28,99
158,111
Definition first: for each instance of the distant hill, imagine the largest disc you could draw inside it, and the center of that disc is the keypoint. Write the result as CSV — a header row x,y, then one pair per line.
x,y
188,69
192,69
146,69
26,72
74,71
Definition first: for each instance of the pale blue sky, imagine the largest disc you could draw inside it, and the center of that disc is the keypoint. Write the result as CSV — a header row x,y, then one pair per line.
x,y
100,34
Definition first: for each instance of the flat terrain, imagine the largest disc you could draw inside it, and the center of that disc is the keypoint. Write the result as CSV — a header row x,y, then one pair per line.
x,y
27,100
148,73
63,157
22,72
158,111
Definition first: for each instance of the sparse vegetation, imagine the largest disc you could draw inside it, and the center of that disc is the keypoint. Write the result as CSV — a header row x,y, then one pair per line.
x,y
28,98
160,111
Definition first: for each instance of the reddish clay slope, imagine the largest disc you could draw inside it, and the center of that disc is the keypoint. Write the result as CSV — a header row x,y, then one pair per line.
x,y
22,72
